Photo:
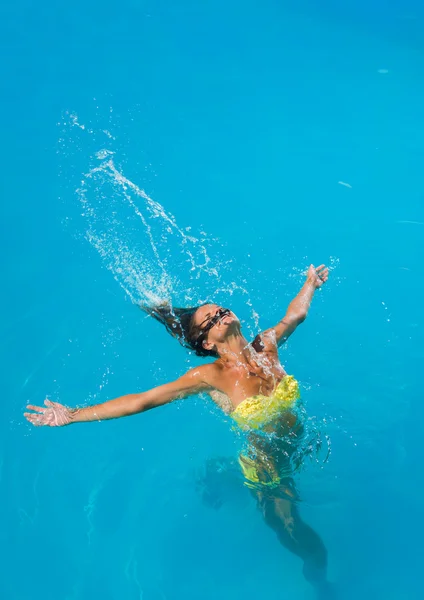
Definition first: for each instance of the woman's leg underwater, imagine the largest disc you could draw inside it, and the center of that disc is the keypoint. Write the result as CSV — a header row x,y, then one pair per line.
x,y
282,515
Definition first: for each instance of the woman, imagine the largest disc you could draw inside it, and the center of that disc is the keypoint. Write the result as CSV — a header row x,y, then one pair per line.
x,y
248,381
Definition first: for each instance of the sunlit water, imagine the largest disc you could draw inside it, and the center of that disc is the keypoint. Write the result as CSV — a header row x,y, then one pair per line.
x,y
210,152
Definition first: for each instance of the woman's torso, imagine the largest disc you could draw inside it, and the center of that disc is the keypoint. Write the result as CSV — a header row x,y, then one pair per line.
x,y
261,398
235,382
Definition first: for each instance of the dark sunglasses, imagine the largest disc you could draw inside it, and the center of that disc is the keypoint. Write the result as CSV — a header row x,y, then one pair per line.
x,y
212,321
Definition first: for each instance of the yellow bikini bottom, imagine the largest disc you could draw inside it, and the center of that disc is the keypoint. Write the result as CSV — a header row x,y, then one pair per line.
x,y
259,472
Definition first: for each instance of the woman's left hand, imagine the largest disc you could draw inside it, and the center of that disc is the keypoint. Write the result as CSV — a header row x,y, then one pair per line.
x,y
317,276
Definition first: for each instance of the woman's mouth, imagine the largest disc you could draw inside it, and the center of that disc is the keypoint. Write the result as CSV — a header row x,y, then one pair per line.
x,y
226,316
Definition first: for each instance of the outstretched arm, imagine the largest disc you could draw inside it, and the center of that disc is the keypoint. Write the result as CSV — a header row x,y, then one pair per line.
x,y
54,414
299,306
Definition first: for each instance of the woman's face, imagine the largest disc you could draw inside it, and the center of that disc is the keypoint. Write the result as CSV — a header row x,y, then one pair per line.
x,y
220,322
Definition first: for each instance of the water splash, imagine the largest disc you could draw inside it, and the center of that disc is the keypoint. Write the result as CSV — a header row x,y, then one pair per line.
x,y
141,243
333,264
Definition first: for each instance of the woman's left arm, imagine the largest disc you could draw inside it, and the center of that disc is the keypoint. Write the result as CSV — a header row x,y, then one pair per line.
x,y
299,306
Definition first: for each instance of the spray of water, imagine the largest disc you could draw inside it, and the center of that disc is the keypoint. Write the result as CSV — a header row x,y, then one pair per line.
x,y
143,245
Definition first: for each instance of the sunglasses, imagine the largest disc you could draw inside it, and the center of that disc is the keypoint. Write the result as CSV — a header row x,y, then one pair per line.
x,y
212,321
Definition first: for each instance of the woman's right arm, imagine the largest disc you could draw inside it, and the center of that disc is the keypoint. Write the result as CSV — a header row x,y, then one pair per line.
x,y
54,414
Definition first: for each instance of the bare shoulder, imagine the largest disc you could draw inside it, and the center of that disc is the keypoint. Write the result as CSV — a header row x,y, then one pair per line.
x,y
208,379
206,374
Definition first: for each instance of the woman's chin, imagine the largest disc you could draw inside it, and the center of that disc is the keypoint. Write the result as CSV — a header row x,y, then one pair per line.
x,y
227,321
231,326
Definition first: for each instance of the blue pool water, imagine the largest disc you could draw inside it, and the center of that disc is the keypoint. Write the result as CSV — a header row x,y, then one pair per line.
x,y
281,133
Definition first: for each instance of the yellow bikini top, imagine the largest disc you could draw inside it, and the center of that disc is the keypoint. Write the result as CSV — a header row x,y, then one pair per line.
x,y
257,411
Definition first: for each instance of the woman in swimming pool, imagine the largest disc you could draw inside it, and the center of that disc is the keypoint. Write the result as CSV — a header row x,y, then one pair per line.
x,y
247,381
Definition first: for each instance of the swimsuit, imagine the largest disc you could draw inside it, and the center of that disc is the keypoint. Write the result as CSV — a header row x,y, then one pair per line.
x,y
258,411
265,458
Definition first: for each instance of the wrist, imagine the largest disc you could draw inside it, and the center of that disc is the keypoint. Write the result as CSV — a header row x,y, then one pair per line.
x,y
74,415
312,282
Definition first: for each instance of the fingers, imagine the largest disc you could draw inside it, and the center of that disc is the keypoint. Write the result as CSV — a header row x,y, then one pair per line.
x,y
322,272
38,409
40,415
35,419
52,404
318,270
41,409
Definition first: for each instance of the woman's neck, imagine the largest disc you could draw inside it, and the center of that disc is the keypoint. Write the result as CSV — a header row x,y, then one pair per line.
x,y
234,349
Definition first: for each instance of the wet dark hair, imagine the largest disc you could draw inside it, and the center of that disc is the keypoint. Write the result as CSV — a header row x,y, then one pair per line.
x,y
179,322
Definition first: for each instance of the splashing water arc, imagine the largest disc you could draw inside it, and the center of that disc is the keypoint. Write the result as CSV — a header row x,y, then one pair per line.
x,y
141,263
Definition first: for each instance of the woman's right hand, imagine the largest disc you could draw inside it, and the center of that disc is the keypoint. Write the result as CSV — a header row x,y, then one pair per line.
x,y
53,415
